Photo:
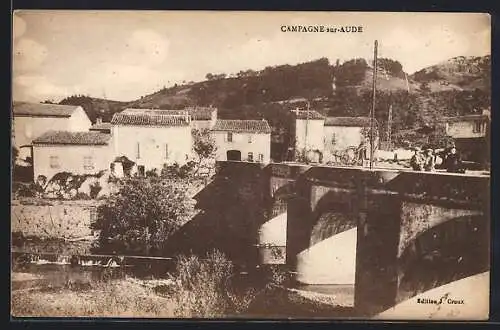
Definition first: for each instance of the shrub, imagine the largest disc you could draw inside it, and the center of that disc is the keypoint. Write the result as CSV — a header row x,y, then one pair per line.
x,y
205,290
142,215
95,188
175,171
82,196
14,155
153,173
27,190
201,291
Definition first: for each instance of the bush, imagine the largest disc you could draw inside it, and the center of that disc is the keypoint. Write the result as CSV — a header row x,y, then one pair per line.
x,y
142,215
202,291
175,171
95,188
205,290
26,190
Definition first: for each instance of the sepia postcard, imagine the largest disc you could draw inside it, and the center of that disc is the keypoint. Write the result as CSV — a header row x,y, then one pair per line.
x,y
264,165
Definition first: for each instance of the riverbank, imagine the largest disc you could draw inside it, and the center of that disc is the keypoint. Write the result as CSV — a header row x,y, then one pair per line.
x,y
36,295
115,298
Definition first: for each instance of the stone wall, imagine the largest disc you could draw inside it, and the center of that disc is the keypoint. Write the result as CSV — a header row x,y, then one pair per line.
x,y
53,219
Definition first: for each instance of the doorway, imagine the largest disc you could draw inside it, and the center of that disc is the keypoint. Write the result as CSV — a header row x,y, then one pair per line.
x,y
233,155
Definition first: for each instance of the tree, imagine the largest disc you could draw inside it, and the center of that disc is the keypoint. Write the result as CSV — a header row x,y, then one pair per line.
x,y
142,216
204,144
15,154
395,68
351,73
204,147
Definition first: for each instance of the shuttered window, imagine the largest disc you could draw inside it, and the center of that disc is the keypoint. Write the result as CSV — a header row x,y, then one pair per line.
x,y
88,163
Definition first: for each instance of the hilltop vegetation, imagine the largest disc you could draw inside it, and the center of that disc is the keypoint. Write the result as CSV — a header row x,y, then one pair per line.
x,y
458,86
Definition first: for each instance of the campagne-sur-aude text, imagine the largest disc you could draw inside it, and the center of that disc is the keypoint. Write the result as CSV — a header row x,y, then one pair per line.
x,y
321,28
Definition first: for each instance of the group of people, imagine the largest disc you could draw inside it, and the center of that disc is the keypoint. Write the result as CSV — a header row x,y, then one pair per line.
x,y
423,161
426,161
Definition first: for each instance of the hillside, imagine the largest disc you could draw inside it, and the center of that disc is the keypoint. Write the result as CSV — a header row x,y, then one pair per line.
x,y
458,86
458,73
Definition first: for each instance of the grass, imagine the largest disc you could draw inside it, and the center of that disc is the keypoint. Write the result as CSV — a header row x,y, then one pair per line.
x,y
116,298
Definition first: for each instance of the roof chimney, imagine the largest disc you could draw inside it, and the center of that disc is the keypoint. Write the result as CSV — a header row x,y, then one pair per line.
x,y
98,120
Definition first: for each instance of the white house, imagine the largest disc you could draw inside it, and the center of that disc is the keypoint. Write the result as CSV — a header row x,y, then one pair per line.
x,y
470,126
341,133
471,134
245,140
31,120
74,152
307,128
152,138
319,138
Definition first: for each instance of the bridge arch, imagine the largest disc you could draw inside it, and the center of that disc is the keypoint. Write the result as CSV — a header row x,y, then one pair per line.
x,y
442,254
330,254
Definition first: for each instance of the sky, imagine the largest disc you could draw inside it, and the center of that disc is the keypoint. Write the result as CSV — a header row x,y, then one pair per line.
x,y
122,55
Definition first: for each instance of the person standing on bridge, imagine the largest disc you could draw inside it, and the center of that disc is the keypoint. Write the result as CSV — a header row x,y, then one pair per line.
x,y
416,161
429,161
453,163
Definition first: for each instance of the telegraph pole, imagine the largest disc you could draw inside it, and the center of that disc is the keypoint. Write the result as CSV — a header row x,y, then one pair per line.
x,y
389,128
372,112
307,128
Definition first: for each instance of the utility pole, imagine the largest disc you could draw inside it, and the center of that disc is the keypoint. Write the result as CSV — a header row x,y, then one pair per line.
x,y
372,112
389,128
307,128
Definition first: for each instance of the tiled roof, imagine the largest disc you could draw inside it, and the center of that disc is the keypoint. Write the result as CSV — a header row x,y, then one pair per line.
x,y
348,121
201,113
149,117
101,126
303,114
466,118
73,138
42,109
242,126
196,113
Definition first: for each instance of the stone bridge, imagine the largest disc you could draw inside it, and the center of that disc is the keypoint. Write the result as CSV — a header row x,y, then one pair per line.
x,y
390,235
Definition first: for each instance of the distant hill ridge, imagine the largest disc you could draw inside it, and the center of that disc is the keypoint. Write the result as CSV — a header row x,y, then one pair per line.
x,y
460,85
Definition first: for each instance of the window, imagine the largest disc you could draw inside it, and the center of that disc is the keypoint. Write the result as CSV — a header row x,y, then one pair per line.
x,y
249,138
250,156
138,151
229,137
261,158
54,162
477,127
88,163
166,151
